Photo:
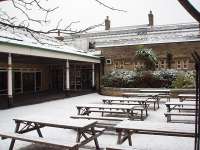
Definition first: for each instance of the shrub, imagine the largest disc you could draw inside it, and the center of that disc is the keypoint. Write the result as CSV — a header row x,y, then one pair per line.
x,y
149,79
166,76
148,57
184,80
146,80
118,78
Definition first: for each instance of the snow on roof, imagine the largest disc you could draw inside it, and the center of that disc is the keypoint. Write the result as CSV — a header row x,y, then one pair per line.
x,y
135,29
40,41
186,35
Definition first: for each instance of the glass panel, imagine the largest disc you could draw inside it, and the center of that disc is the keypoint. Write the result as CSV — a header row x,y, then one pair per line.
x,y
3,82
17,82
38,81
28,81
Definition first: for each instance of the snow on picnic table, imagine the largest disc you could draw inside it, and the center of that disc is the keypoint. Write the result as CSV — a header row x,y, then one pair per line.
x,y
64,108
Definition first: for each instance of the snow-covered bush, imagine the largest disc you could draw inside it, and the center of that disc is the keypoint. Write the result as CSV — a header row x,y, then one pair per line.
x,y
148,57
166,76
118,78
184,80
149,79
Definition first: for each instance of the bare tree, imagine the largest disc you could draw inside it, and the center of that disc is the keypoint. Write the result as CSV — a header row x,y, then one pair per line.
x,y
26,19
26,6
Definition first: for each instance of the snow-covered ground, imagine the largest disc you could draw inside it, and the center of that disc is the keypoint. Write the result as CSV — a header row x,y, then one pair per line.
x,y
66,107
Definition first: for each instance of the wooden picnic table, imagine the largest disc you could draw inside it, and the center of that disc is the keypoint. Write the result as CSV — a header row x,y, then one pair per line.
x,y
154,96
128,110
187,97
82,127
126,101
174,105
126,128
133,94
162,92
185,106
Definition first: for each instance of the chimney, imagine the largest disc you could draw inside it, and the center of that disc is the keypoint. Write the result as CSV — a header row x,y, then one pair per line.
x,y
58,32
107,23
61,38
150,15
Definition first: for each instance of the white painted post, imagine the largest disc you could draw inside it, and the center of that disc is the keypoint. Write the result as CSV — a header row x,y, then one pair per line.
x,y
67,75
10,86
93,75
35,83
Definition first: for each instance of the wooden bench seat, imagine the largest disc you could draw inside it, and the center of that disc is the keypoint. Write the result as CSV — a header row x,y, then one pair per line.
x,y
136,108
125,103
98,118
44,141
169,114
102,111
184,108
121,147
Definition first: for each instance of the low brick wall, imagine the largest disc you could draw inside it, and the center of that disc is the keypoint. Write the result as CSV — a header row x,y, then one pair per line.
x,y
110,91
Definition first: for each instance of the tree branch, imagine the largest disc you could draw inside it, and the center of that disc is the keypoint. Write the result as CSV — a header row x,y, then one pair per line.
x,y
109,7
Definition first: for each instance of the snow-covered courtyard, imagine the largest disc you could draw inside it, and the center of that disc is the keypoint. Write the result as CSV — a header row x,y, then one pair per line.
x,y
64,108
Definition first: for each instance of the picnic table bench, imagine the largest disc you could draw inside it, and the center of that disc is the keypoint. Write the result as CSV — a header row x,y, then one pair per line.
x,y
180,106
152,96
39,140
122,147
82,127
187,97
144,101
162,92
126,128
98,118
127,110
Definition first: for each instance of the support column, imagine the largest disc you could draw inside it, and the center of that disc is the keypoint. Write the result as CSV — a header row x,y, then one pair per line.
x,y
93,75
67,76
10,86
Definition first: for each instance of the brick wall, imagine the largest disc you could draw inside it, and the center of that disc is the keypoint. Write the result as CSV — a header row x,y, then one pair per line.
x,y
123,56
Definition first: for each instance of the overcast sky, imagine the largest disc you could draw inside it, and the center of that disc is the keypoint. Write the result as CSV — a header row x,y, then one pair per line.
x,y
89,12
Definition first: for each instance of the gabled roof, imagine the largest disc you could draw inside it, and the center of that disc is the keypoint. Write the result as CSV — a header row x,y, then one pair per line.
x,y
143,34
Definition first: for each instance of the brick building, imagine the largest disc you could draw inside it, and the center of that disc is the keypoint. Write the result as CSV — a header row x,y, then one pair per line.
x,y
118,45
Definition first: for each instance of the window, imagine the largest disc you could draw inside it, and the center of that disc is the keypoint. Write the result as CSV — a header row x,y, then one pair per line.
x,y
108,61
178,64
17,82
162,64
3,82
92,45
119,64
38,81
157,65
185,64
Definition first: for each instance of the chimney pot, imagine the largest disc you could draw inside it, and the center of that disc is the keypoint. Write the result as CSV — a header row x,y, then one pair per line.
x,y
107,23
151,20
58,32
